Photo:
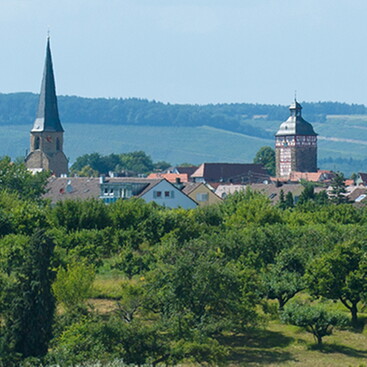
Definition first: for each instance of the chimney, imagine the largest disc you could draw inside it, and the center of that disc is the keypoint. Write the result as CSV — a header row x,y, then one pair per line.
x,y
179,184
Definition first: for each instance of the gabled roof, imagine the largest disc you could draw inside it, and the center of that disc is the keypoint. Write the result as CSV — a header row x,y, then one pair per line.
x,y
188,170
171,185
319,176
295,125
189,187
151,184
231,172
357,195
48,114
63,188
363,176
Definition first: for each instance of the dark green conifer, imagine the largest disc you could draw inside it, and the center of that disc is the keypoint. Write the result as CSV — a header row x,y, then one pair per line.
x,y
289,201
30,309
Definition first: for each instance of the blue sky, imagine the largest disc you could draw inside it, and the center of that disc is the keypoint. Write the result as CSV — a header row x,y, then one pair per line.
x,y
189,51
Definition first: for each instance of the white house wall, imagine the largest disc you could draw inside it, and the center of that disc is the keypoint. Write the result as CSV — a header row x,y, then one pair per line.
x,y
178,199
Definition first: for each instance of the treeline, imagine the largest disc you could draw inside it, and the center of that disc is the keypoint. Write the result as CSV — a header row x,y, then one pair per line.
x,y
178,279
20,108
128,164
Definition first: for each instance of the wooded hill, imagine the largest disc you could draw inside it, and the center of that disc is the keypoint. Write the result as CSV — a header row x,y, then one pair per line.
x,y
186,132
20,108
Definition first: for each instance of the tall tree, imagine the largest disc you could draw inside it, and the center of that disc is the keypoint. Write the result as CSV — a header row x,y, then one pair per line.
x,y
266,157
338,189
30,306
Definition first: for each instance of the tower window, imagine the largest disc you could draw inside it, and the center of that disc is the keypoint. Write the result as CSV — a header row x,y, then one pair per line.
x,y
37,142
58,147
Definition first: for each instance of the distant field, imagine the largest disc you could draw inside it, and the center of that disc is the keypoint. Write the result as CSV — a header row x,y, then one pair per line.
x,y
173,144
340,136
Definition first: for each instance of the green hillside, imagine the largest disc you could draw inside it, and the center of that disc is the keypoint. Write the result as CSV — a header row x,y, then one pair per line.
x,y
338,138
186,133
173,144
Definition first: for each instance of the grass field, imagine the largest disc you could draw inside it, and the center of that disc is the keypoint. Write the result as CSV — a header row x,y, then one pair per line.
x,y
283,345
272,343
341,136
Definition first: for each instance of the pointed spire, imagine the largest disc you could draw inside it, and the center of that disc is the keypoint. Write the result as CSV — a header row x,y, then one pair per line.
x,y
48,115
295,108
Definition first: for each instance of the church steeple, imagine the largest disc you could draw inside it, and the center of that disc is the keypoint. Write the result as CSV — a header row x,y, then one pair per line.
x,y
47,118
47,134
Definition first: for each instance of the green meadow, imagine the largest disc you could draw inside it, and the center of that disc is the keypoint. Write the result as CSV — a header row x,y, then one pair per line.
x,y
339,137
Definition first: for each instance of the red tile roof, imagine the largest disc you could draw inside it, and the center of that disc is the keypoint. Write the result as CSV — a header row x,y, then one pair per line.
x,y
170,177
319,176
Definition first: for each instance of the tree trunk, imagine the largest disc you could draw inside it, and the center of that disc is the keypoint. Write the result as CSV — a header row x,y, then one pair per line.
x,y
354,311
282,302
319,340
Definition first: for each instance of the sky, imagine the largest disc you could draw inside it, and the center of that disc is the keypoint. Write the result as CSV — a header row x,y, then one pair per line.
x,y
189,51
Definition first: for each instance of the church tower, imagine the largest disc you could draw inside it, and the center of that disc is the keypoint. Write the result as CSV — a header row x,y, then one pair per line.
x,y
47,134
295,144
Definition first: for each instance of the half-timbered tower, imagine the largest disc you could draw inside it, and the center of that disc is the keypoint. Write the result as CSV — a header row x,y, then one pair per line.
x,y
295,144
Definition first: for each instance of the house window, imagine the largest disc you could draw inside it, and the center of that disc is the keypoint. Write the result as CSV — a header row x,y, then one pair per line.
x,y
106,191
202,197
167,194
157,194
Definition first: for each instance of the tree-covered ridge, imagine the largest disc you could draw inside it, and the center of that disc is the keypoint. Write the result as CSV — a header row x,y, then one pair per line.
x,y
20,108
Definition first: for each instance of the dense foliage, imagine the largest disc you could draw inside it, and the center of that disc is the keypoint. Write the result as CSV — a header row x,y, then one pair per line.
x,y
94,164
177,280
20,108
266,157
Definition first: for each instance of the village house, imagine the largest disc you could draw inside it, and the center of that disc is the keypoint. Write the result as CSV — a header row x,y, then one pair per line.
x,y
201,193
110,189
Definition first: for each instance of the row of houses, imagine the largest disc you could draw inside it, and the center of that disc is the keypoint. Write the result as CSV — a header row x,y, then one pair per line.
x,y
189,187
109,189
